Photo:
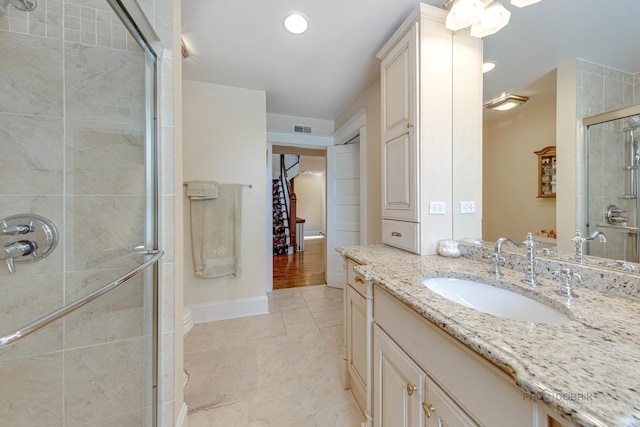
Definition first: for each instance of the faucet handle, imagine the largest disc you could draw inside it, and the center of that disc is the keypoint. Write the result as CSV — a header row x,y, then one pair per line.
x,y
566,275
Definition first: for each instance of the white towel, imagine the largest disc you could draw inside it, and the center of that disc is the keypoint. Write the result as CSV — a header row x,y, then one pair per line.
x,y
202,190
216,231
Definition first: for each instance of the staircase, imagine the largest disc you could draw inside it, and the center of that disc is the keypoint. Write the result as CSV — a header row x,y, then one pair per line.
x,y
281,240
284,206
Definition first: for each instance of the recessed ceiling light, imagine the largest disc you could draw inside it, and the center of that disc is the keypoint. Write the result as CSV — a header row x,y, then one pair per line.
x,y
488,66
296,23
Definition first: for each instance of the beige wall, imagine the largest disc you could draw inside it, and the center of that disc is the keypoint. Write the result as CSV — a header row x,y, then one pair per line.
x,y
369,99
225,141
311,193
511,207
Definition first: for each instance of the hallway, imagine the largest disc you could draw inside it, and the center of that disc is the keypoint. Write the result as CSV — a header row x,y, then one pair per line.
x,y
301,268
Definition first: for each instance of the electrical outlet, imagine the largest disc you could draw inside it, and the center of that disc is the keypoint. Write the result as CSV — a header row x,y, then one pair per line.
x,y
467,207
437,208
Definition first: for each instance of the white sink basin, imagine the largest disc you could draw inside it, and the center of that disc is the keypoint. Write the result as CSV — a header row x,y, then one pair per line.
x,y
496,301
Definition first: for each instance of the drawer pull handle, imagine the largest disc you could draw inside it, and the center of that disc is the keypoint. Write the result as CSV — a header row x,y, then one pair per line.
x,y
411,389
396,234
428,409
358,279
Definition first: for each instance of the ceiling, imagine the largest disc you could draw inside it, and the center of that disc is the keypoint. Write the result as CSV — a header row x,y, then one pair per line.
x,y
318,74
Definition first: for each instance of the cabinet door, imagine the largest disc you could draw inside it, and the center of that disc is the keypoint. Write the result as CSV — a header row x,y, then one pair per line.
x,y
443,411
399,179
398,385
399,109
398,78
357,345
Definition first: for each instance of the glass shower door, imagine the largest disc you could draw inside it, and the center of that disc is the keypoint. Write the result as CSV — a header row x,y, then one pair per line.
x,y
78,147
613,186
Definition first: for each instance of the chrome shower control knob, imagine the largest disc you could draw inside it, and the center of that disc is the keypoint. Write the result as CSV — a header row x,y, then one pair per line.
x,y
41,241
16,250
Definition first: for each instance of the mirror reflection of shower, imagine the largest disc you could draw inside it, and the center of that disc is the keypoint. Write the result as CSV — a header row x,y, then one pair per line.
x,y
24,5
613,182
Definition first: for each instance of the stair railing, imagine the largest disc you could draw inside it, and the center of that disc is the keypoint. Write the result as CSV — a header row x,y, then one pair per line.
x,y
291,207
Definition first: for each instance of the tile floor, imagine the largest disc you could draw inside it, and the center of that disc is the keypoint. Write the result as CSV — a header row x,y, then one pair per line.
x,y
278,370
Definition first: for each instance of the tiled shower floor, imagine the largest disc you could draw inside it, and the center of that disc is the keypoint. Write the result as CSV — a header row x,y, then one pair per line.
x,y
277,370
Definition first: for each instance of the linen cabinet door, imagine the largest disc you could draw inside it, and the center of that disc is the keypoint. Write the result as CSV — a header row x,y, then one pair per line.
x,y
398,75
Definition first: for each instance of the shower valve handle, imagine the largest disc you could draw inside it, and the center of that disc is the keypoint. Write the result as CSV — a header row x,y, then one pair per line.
x,y
17,249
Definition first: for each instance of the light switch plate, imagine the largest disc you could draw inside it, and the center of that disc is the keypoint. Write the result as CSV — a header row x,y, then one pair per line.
x,y
467,207
437,208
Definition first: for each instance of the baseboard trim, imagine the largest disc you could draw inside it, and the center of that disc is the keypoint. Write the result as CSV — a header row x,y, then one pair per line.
x,y
230,309
182,420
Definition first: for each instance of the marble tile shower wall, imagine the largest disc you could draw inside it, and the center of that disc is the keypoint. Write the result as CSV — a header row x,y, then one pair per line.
x,y
72,114
601,89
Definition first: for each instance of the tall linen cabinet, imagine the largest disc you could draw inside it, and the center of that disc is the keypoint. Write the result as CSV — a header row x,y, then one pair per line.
x,y
431,83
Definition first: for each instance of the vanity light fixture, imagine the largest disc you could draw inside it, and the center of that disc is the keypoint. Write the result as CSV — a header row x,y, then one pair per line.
x,y
494,18
485,17
463,13
296,23
505,103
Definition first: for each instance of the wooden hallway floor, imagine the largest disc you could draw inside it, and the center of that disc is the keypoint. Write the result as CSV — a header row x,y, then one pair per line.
x,y
305,268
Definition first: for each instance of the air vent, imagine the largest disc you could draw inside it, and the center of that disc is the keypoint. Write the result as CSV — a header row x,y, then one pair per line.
x,y
302,128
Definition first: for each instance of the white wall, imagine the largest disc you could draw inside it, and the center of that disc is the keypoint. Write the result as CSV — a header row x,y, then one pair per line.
x,y
224,140
285,123
510,174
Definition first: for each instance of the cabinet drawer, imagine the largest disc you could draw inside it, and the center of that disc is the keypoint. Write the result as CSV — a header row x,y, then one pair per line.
x,y
353,280
403,235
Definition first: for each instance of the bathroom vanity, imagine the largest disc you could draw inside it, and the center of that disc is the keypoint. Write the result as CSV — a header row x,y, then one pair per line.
x,y
418,358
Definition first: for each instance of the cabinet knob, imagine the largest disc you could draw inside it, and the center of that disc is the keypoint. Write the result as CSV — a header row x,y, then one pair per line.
x,y
411,389
409,125
428,409
396,234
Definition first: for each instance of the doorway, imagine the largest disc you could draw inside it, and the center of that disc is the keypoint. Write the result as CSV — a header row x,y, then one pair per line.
x,y
299,259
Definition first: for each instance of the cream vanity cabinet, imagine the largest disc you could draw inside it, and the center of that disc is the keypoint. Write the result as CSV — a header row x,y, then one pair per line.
x,y
405,396
419,65
424,377
356,335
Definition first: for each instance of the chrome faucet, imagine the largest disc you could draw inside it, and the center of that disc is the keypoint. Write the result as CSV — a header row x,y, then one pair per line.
x,y
579,241
530,244
497,257
532,268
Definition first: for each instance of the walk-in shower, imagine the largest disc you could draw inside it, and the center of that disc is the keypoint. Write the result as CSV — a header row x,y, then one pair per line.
x,y
612,198
78,166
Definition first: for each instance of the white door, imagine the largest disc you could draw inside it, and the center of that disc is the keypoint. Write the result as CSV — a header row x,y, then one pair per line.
x,y
343,206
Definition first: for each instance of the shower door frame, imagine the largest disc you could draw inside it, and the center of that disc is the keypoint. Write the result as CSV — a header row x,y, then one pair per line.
x,y
595,120
137,24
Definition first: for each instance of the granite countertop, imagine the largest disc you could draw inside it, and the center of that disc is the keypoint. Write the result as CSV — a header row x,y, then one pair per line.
x,y
587,369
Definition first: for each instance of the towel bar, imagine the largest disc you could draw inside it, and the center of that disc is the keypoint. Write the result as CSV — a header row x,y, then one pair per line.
x,y
245,185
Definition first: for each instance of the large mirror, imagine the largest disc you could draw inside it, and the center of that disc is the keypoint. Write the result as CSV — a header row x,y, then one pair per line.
x,y
573,59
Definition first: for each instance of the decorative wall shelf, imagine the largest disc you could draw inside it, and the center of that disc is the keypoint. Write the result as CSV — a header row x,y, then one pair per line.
x,y
547,171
